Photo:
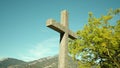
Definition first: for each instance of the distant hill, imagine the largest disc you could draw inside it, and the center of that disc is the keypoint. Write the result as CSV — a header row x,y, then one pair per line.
x,y
47,62
6,62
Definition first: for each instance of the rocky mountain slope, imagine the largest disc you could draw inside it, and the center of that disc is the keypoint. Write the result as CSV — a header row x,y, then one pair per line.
x,y
47,62
5,63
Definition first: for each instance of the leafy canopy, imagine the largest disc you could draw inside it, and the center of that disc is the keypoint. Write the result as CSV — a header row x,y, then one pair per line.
x,y
98,43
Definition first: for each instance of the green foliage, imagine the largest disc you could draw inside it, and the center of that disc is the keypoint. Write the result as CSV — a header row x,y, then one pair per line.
x,y
98,43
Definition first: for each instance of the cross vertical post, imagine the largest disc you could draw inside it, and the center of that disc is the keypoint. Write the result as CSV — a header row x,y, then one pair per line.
x,y
63,53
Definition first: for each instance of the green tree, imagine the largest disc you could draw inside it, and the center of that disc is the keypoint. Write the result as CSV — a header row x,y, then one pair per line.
x,y
98,43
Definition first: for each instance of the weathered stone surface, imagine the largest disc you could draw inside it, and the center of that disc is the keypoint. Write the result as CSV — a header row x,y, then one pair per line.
x,y
65,33
60,28
56,26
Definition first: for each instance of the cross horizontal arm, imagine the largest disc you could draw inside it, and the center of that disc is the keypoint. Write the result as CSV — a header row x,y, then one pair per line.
x,y
72,35
56,26
59,28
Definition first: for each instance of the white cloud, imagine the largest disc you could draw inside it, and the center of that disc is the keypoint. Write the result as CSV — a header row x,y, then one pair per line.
x,y
45,48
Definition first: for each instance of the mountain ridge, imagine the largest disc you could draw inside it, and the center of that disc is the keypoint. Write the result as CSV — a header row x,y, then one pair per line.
x,y
6,62
46,62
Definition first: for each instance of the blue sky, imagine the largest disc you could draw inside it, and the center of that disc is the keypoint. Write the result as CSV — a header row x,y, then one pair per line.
x,y
23,31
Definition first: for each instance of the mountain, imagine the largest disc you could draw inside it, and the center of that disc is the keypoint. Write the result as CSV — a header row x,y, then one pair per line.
x,y
47,62
6,62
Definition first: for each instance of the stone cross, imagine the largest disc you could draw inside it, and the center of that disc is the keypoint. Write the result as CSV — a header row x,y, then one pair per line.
x,y
65,33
